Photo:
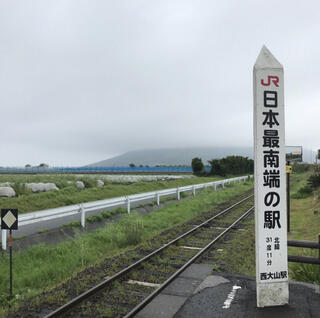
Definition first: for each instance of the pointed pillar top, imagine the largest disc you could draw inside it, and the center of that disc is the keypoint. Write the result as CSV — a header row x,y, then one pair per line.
x,y
267,60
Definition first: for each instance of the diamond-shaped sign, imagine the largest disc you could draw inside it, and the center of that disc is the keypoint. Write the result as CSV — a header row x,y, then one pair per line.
x,y
9,219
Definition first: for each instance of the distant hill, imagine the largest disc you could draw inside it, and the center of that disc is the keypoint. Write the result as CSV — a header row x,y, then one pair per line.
x,y
173,156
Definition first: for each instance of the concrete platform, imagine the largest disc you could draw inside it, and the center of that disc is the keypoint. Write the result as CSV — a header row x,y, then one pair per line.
x,y
198,293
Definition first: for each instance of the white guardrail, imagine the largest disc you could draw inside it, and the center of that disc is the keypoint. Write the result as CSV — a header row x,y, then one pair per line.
x,y
44,215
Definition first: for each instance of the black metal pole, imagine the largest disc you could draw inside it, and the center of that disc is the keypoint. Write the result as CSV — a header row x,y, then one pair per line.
x,y
319,244
319,252
288,202
10,251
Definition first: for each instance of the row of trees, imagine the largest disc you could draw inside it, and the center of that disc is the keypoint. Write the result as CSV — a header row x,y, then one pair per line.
x,y
221,167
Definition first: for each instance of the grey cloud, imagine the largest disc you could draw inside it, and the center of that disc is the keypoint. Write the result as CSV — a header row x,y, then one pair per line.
x,y
83,80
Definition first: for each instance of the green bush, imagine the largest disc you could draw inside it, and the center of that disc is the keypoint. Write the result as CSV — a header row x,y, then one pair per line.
x,y
231,165
62,184
89,182
314,180
303,192
197,167
20,188
306,272
131,231
300,168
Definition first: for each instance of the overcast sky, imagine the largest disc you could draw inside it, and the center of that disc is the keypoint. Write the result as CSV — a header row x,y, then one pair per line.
x,y
81,81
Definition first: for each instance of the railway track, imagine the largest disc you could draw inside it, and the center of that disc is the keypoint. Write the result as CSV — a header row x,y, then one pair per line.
x,y
128,291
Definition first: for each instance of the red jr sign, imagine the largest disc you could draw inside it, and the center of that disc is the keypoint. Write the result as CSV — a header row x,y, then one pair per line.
x,y
273,79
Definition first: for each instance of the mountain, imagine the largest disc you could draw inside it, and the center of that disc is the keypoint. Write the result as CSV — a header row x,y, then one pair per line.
x,y
173,156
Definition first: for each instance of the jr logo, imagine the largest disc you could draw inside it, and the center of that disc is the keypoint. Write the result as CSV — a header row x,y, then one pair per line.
x,y
273,79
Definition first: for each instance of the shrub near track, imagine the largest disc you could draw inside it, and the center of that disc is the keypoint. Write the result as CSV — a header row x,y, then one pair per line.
x,y
304,223
41,267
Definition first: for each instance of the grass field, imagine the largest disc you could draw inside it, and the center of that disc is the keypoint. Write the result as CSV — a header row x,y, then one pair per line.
x,y
304,225
69,194
304,211
42,267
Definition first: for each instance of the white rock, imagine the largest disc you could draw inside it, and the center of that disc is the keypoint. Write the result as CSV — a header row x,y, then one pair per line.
x,y
100,183
41,187
5,184
35,187
80,185
7,192
50,187
136,178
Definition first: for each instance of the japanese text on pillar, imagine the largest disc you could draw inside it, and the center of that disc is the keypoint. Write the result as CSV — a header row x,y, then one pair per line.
x,y
271,175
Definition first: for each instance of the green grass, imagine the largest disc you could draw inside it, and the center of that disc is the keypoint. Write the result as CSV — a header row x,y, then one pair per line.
x,y
305,218
302,193
97,217
298,183
239,257
41,267
69,194
20,188
304,225
306,272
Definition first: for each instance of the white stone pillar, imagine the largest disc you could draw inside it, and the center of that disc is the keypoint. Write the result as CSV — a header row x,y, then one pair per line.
x,y
270,182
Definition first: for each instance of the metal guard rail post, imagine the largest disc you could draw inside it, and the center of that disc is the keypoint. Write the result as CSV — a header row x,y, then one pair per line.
x,y
44,215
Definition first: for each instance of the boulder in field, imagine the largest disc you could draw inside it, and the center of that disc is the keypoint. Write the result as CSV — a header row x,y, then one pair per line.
x,y
41,187
50,187
100,183
7,192
80,185
5,184
34,187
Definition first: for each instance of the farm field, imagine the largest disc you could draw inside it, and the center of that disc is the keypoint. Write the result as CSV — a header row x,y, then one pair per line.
x,y
68,194
42,267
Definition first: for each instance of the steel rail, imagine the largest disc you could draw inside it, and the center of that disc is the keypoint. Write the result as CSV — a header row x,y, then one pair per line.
x,y
74,302
147,300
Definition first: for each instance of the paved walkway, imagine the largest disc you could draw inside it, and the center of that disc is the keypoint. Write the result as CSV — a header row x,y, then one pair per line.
x,y
199,294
